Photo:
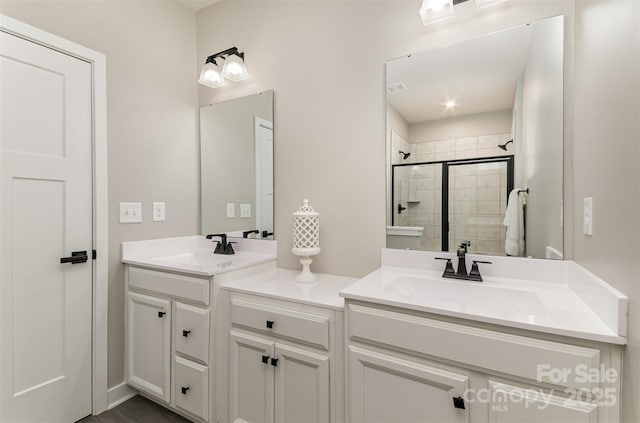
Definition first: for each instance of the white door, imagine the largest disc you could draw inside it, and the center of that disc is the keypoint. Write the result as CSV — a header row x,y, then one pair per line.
x,y
264,174
45,214
302,386
149,344
250,378
385,388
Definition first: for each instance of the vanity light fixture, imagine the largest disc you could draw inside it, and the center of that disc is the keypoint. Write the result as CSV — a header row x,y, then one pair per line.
x,y
481,4
433,11
233,68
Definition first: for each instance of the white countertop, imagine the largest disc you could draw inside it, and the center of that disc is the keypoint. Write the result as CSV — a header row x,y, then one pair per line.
x,y
194,254
583,308
281,284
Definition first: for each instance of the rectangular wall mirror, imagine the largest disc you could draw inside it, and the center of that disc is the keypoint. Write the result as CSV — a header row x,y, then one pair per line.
x,y
475,144
236,166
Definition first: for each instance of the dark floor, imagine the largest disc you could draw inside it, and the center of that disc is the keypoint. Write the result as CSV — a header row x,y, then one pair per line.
x,y
136,410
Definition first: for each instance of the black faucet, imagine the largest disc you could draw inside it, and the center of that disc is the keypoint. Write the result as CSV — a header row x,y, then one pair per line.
x,y
222,247
246,234
461,273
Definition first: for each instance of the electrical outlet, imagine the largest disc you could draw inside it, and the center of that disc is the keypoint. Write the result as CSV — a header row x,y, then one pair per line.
x,y
158,212
245,211
587,216
231,209
130,212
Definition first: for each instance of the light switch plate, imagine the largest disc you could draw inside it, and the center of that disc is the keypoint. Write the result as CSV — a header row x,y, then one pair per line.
x,y
130,212
245,211
159,213
587,216
231,209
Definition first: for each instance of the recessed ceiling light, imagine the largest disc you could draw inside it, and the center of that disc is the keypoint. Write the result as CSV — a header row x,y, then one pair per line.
x,y
450,104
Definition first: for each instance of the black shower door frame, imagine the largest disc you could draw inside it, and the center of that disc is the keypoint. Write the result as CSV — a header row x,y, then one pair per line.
x,y
446,164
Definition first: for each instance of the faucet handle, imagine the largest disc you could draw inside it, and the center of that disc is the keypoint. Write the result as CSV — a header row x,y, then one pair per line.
x,y
448,269
475,270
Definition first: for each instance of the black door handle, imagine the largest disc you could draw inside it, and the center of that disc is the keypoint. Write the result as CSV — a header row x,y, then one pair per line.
x,y
76,257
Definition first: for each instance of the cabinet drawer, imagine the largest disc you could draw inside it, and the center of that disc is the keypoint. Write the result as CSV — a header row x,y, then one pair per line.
x,y
297,325
496,351
192,387
181,286
192,332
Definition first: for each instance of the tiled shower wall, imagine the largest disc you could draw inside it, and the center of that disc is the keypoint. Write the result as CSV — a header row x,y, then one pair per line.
x,y
477,193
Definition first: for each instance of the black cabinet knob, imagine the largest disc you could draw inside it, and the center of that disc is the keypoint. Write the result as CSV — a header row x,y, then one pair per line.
x,y
265,359
274,362
161,313
184,390
458,402
186,333
270,324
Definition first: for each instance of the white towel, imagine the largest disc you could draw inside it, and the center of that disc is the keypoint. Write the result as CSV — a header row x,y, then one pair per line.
x,y
514,221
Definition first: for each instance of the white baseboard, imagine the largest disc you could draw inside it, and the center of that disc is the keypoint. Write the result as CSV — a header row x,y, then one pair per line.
x,y
119,394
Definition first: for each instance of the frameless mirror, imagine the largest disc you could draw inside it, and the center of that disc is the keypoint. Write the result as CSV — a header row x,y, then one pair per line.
x,y
236,166
475,142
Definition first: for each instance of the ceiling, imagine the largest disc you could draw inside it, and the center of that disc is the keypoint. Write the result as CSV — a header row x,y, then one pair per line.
x,y
479,75
196,5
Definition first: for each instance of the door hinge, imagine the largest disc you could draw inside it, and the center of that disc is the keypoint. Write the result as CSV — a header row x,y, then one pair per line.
x,y
94,254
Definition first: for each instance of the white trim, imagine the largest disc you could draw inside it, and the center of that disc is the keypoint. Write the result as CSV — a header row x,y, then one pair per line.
x,y
100,192
119,394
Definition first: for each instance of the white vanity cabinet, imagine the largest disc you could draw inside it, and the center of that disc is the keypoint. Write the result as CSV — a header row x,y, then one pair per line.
x,y
168,339
279,360
408,365
282,359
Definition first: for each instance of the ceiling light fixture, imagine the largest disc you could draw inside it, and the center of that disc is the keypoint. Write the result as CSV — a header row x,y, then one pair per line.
x,y
450,104
233,69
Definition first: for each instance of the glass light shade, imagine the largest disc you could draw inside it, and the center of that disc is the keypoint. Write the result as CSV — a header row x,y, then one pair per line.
x,y
234,68
436,10
211,75
480,4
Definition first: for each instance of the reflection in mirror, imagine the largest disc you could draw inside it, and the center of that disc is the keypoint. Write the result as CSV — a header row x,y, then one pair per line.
x,y
236,166
474,144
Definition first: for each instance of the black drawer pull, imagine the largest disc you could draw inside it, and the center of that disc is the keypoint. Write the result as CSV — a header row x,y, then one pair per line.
x,y
270,324
184,390
186,333
458,402
265,359
274,362
161,313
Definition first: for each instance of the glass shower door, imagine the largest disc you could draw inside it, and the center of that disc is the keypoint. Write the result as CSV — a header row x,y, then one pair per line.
x,y
477,200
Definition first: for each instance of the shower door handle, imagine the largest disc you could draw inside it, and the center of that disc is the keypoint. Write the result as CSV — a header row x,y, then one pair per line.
x,y
400,208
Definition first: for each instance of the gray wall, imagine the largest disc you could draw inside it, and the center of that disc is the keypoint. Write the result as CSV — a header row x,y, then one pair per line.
x,y
486,123
152,119
325,62
606,159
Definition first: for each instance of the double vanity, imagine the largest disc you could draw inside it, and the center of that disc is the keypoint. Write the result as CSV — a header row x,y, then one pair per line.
x,y
232,338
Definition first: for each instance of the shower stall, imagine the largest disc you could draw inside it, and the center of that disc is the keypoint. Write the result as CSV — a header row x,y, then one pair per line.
x,y
454,200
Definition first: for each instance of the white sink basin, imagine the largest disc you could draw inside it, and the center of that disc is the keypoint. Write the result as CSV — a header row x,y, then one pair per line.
x,y
468,297
203,259
194,254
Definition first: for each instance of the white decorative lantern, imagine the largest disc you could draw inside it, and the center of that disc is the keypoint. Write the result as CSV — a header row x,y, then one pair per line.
x,y
306,239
